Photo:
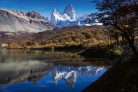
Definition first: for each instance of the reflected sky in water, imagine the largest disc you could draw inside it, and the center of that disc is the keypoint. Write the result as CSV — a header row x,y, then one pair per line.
x,y
34,71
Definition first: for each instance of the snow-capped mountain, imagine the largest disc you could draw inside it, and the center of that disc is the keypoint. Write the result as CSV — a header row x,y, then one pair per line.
x,y
18,21
67,18
70,11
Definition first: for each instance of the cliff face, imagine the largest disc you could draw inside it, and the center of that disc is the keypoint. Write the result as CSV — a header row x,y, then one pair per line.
x,y
15,21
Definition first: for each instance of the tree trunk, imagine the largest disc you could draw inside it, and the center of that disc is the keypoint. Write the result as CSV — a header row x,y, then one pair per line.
x,y
131,44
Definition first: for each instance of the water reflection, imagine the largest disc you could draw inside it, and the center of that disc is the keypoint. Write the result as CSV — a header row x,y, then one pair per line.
x,y
34,71
70,73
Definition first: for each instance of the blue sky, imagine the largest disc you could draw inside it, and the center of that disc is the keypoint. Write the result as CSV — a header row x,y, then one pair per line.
x,y
45,7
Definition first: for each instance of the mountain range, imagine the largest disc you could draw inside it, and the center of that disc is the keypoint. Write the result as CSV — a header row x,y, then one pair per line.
x,y
33,22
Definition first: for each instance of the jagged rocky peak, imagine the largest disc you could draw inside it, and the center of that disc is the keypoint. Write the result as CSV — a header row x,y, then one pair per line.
x,y
33,14
70,11
67,18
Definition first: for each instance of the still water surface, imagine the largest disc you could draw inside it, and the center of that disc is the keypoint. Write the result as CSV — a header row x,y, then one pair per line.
x,y
36,71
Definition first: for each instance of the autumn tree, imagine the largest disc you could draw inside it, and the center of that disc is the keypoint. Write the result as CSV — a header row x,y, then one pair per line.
x,y
122,15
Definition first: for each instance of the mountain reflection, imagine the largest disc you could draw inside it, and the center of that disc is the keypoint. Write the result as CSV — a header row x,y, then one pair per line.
x,y
19,67
70,73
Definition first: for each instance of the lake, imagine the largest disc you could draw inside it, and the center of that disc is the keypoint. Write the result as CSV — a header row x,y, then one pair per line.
x,y
39,71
